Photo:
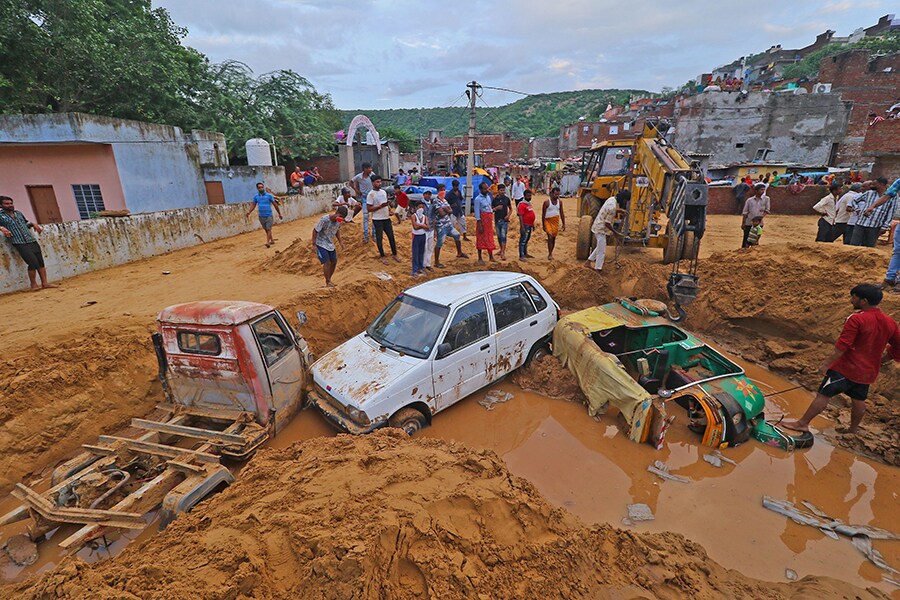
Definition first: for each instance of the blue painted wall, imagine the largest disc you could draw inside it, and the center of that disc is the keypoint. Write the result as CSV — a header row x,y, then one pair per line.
x,y
159,175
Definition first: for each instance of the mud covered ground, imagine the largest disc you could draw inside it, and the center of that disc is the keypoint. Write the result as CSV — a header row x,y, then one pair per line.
x,y
73,370
386,516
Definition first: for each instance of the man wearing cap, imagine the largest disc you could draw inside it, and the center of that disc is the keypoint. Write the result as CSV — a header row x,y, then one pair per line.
x,y
379,207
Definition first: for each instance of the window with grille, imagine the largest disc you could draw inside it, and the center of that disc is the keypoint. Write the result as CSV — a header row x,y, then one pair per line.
x,y
88,199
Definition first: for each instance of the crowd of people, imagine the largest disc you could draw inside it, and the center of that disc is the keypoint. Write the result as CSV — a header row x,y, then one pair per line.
x,y
436,217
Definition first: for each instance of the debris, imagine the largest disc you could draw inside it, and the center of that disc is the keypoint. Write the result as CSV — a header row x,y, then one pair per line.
x,y
713,460
723,458
21,550
495,397
864,544
661,469
861,536
887,579
791,575
167,272
382,275
89,303
640,512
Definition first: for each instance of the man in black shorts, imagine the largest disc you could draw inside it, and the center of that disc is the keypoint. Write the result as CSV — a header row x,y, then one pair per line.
x,y
15,226
857,357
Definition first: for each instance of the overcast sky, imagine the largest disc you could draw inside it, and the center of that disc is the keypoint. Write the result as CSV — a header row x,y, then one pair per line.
x,y
408,54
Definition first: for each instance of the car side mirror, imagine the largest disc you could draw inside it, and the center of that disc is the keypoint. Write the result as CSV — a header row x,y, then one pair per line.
x,y
443,350
301,318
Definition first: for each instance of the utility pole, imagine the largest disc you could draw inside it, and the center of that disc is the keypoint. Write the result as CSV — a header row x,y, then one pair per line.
x,y
472,93
421,154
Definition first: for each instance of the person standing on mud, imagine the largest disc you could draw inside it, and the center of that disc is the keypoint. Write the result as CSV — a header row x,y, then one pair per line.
x,y
379,207
263,203
362,185
502,210
526,224
843,214
757,205
602,227
420,226
484,223
15,226
443,227
326,231
856,359
457,204
827,207
872,219
552,216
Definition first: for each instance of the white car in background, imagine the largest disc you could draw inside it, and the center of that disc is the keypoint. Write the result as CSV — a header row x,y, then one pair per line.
x,y
432,346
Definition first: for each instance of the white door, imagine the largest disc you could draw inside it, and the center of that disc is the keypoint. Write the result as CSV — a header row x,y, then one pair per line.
x,y
283,364
465,356
517,325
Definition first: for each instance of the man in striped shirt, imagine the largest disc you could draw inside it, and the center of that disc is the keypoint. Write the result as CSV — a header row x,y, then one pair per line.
x,y
871,223
15,226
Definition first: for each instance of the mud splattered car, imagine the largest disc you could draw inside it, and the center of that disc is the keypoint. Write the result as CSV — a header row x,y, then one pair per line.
x,y
432,346
626,354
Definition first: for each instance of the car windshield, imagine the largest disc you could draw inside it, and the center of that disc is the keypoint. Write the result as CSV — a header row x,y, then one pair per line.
x,y
409,325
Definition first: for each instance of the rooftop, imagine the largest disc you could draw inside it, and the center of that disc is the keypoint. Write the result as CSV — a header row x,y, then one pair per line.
x,y
213,312
449,290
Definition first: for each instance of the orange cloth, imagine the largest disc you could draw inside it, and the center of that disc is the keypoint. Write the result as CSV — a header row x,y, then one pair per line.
x,y
485,239
551,226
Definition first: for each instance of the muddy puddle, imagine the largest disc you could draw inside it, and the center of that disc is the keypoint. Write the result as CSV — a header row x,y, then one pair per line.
x,y
588,467
591,469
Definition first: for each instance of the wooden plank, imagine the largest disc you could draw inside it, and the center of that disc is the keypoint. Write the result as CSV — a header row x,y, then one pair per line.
x,y
53,513
160,449
216,437
220,414
182,466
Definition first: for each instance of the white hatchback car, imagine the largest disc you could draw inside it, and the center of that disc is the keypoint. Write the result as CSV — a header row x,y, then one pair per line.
x,y
432,346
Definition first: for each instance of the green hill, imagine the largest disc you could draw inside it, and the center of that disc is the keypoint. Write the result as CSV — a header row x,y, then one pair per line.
x,y
538,115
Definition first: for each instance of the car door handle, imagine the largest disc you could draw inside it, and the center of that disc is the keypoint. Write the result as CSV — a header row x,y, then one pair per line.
x,y
532,324
486,346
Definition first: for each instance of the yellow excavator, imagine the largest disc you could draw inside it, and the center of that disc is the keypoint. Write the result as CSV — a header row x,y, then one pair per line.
x,y
665,206
459,164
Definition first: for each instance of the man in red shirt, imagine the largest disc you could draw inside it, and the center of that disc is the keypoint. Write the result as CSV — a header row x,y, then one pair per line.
x,y
526,224
857,357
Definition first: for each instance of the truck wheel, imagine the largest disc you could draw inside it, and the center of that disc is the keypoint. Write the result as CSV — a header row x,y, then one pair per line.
x,y
409,420
590,205
585,241
671,251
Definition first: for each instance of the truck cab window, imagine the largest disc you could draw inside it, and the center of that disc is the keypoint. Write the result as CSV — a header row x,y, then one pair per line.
x,y
194,342
469,325
274,341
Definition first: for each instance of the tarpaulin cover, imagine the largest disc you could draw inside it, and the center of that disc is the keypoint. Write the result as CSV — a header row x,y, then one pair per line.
x,y
600,375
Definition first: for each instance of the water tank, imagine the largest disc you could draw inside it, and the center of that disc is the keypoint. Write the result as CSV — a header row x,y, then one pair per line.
x,y
258,153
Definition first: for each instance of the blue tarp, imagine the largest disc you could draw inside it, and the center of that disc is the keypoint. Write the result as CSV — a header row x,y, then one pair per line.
x,y
448,181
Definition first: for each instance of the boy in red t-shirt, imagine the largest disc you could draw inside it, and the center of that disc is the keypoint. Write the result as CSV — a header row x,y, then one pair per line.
x,y
526,224
856,359
402,203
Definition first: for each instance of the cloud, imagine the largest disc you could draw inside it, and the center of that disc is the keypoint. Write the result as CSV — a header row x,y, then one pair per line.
x,y
407,53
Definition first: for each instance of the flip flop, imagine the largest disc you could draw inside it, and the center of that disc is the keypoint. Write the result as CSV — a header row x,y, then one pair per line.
x,y
786,425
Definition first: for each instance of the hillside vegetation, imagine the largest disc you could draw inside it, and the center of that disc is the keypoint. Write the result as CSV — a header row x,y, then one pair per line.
x,y
537,115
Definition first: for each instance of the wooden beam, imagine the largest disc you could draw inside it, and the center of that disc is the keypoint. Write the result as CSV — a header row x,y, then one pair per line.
x,y
64,514
159,449
219,414
215,437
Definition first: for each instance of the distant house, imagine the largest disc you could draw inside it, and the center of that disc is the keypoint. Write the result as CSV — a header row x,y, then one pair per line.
x,y
71,166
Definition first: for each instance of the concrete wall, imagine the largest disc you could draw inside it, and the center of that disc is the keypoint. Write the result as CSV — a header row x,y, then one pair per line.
x,y
59,166
160,175
241,185
78,247
798,128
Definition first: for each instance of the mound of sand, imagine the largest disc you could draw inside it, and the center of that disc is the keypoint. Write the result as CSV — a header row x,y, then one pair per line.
x,y
546,376
56,396
784,306
383,516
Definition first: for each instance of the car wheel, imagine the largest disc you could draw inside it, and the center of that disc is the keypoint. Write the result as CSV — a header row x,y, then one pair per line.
x,y
409,420
539,350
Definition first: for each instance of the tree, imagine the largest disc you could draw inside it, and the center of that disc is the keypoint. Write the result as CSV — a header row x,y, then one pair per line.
x,y
405,140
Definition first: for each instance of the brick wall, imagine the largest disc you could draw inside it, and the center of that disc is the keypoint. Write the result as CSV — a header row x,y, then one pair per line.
x,y
329,167
868,86
506,146
723,202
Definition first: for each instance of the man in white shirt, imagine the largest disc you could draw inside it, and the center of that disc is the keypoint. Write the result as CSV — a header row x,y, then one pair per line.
x,y
601,228
379,208
362,185
757,205
346,199
826,207
517,190
843,214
